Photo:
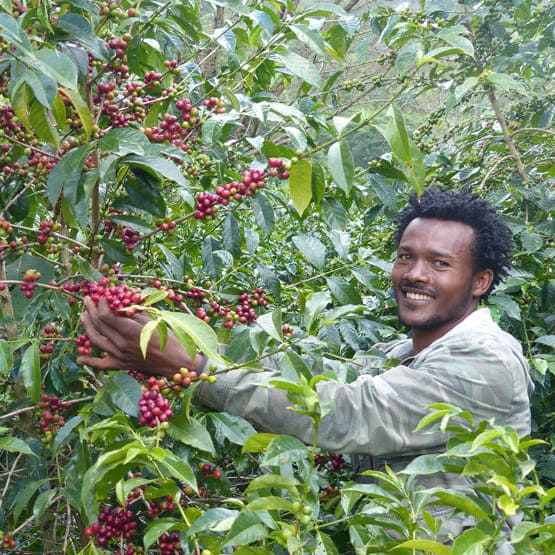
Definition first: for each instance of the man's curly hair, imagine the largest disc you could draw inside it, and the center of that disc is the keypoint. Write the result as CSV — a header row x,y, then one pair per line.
x,y
493,242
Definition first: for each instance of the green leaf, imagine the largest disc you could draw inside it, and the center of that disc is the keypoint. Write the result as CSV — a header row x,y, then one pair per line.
x,y
30,372
178,468
42,502
82,110
284,450
311,38
454,37
428,546
463,503
325,544
471,542
548,340
407,56
292,365
63,435
467,86
146,335
343,291
190,432
423,465
270,322
506,304
6,358
246,528
300,185
200,332
505,82
22,97
314,309
507,505
270,503
263,213
232,235
66,174
12,32
258,442
312,249
156,166
56,65
145,192
124,391
341,165
276,481
41,124
122,141
334,213
404,151
214,520
234,428
15,445
433,55
300,67
24,496
81,31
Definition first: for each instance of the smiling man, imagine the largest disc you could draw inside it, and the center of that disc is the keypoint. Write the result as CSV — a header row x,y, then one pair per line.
x,y
453,248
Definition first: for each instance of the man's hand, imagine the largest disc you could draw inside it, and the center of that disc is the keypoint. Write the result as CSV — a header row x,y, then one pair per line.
x,y
118,337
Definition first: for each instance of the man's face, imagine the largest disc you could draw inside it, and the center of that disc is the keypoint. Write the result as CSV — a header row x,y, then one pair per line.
x,y
433,277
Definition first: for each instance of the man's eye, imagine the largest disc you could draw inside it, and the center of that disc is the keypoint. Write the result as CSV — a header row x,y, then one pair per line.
x,y
440,263
403,256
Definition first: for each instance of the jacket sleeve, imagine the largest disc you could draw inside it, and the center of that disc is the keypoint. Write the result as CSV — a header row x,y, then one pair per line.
x,y
377,415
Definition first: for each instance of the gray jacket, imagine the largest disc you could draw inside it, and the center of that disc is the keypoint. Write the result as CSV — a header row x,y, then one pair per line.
x,y
475,366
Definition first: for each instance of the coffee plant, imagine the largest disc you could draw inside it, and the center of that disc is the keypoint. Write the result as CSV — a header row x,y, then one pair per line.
x,y
228,171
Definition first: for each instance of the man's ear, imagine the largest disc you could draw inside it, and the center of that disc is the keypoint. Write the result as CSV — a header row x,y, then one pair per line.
x,y
482,282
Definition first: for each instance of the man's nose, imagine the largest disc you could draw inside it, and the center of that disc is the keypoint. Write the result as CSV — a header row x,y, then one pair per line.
x,y
418,271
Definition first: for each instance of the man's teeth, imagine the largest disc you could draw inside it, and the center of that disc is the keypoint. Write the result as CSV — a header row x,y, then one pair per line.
x,y
418,296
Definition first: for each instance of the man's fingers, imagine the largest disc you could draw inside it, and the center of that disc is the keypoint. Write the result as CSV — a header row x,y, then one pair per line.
x,y
99,339
102,363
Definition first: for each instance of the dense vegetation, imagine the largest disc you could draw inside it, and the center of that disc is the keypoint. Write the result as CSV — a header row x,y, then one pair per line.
x,y
232,169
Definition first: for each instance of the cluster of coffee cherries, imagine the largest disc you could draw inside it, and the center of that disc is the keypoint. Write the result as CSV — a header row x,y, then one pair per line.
x,y
45,228
208,471
167,225
119,296
8,541
334,462
117,525
243,313
83,344
179,129
153,405
49,332
114,524
45,238
169,544
129,236
30,277
252,180
6,238
51,417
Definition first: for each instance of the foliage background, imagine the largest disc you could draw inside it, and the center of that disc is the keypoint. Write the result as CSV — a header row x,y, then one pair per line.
x,y
361,103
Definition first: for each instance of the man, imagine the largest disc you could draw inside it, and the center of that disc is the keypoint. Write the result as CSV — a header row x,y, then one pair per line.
x,y
452,250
